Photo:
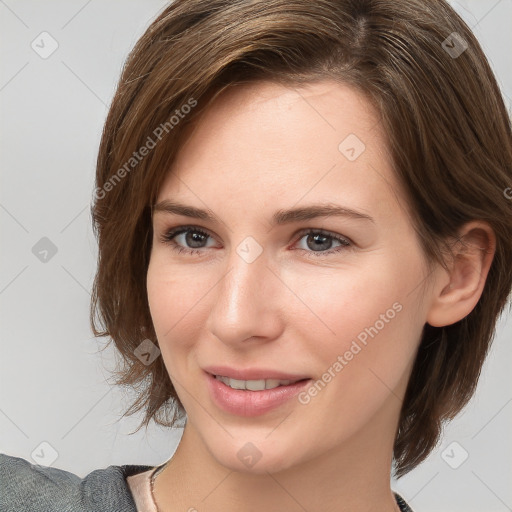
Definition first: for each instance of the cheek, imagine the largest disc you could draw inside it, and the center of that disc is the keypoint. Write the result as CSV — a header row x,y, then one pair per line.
x,y
170,292
341,303
368,319
177,303
159,299
359,380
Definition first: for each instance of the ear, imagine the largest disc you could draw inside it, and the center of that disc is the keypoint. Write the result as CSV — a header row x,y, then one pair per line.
x,y
457,292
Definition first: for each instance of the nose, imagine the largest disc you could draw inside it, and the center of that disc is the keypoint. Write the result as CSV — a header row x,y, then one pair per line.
x,y
248,302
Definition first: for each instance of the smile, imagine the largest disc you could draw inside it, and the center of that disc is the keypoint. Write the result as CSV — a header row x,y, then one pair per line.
x,y
254,385
252,397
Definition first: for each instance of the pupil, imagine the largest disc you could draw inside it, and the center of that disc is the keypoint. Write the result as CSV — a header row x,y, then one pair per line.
x,y
194,237
318,238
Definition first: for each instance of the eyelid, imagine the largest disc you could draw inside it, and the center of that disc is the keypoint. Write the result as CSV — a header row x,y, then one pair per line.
x,y
183,228
299,234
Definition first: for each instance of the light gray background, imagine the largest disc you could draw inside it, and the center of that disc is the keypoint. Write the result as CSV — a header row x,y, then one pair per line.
x,y
53,379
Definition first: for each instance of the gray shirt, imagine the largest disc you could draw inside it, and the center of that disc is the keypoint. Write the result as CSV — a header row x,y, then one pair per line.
x,y
26,487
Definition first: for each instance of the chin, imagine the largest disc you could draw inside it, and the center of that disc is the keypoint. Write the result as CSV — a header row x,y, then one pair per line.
x,y
253,457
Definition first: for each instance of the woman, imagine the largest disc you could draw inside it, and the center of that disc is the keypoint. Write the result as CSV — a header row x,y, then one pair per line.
x,y
305,241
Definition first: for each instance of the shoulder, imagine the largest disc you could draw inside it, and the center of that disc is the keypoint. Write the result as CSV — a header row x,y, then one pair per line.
x,y
27,486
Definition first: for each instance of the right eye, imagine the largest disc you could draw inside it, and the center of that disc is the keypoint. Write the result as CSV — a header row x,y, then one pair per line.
x,y
190,235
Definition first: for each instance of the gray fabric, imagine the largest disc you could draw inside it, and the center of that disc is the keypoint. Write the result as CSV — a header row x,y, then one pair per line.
x,y
26,487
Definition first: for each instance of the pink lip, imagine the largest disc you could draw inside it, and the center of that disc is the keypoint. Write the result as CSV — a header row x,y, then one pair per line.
x,y
252,373
251,403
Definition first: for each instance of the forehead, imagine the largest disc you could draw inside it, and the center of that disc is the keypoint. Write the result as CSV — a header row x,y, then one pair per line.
x,y
264,142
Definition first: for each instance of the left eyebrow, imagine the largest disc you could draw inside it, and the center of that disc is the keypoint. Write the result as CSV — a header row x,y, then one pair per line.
x,y
280,217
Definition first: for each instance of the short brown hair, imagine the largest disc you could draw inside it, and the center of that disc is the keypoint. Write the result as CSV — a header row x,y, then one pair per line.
x,y
448,133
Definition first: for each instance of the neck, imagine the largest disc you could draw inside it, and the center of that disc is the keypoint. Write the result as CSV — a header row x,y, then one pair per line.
x,y
353,477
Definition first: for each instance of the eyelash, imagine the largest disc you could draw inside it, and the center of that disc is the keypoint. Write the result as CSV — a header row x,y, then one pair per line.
x,y
168,238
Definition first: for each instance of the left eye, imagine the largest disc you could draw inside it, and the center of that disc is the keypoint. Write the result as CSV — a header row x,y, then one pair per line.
x,y
318,241
321,240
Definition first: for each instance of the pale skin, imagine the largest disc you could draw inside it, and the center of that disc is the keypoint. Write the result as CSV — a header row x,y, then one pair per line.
x,y
257,149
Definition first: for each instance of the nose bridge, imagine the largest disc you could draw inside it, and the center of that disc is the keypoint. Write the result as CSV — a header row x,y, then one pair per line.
x,y
245,299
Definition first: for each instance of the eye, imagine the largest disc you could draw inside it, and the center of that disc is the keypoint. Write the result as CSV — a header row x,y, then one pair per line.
x,y
317,240
191,240
188,234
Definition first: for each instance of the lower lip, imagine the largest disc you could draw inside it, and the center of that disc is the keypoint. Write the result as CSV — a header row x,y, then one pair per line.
x,y
251,403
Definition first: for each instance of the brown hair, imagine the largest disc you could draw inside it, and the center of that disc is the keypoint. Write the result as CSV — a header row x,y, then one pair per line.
x,y
449,136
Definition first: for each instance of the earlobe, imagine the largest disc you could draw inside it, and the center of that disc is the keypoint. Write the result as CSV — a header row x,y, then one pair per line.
x,y
458,292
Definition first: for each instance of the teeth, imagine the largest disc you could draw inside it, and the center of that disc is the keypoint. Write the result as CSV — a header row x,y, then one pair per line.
x,y
253,385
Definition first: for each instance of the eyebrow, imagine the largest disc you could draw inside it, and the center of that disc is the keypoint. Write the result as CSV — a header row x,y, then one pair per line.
x,y
280,217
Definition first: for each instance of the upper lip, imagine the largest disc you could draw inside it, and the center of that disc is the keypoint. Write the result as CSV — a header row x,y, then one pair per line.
x,y
253,373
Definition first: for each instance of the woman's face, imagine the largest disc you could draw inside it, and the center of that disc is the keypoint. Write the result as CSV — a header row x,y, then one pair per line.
x,y
333,298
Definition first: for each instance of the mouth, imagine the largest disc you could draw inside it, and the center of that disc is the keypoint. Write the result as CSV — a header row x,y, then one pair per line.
x,y
256,384
253,397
